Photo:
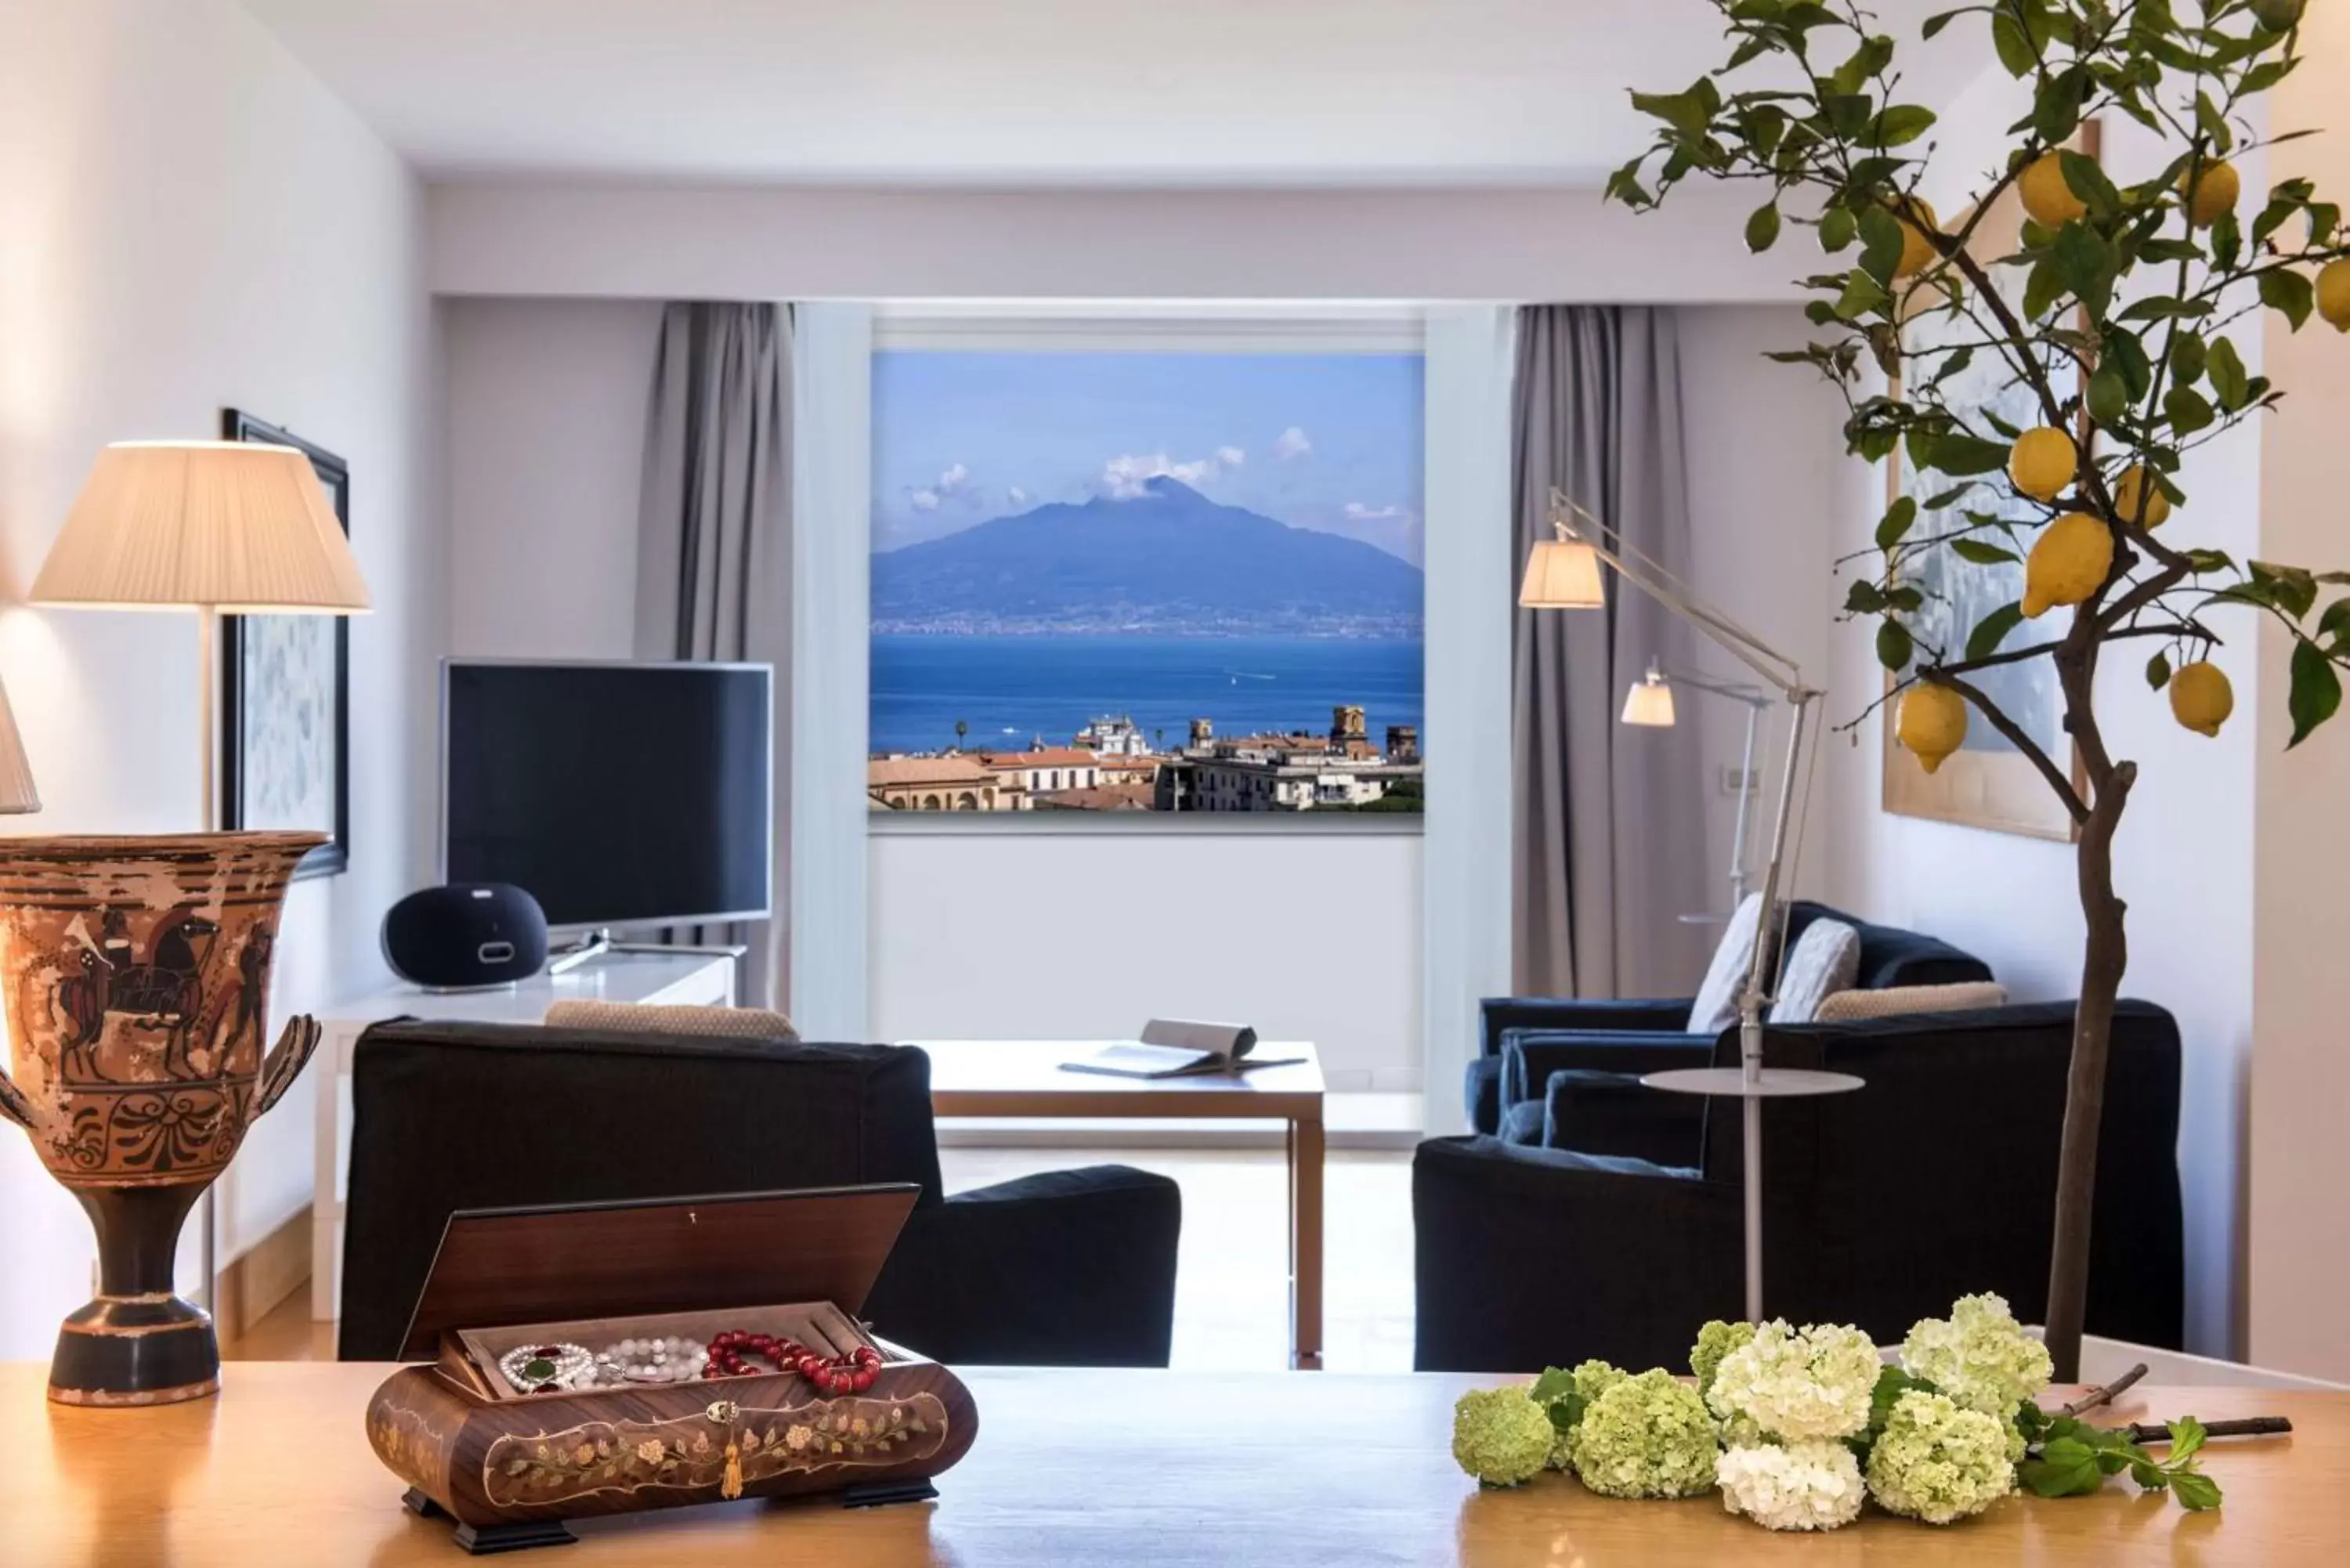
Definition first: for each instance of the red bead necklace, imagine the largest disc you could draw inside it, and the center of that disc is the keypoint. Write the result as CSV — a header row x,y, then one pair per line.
x,y
851,1374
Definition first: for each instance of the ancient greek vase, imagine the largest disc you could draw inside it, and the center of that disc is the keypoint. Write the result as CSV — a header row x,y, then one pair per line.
x,y
135,973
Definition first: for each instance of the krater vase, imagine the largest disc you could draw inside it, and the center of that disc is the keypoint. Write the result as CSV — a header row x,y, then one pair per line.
x,y
135,976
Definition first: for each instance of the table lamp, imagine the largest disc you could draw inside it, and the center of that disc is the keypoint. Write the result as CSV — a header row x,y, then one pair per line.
x,y
17,795
216,527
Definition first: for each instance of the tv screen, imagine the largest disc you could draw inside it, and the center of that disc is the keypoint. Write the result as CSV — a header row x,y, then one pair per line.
x,y
617,795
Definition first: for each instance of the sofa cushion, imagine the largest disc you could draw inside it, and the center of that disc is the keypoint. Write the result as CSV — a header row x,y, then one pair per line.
x,y
1522,1124
1901,998
1716,1007
720,1023
1825,960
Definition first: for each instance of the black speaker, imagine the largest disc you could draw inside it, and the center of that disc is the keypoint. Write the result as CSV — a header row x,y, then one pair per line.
x,y
468,933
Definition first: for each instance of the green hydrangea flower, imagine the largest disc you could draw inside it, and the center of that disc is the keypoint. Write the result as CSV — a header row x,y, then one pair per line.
x,y
1796,1385
1566,1395
1647,1436
1715,1341
1500,1436
1979,1355
1938,1461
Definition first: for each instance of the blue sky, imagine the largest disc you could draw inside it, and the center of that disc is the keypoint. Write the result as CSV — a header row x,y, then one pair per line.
x,y
1329,441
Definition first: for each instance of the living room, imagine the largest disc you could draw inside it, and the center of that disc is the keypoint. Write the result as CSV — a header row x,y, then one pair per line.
x,y
625,336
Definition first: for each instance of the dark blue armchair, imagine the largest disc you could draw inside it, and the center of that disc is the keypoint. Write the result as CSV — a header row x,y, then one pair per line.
x,y
1525,1043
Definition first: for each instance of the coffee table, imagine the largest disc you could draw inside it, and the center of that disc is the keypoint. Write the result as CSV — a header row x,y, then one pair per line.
x,y
1025,1078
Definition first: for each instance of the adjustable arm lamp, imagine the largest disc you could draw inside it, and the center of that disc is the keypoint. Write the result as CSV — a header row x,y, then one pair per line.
x,y
1562,573
1650,705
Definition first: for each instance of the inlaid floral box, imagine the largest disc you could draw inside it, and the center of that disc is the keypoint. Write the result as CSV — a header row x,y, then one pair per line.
x,y
510,1443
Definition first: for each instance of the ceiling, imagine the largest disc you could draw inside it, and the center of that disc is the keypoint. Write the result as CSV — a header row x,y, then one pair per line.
x,y
1026,92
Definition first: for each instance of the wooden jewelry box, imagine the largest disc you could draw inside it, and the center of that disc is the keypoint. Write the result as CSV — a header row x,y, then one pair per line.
x,y
510,1465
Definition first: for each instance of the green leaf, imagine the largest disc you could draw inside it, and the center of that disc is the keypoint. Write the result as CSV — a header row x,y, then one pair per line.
x,y
2210,560
2128,355
1684,112
1992,629
2189,355
2284,290
1982,553
1894,645
1838,227
2227,242
1896,523
2214,125
2016,50
2227,378
2042,287
1864,598
1956,492
1900,124
1880,243
2187,410
2165,308
2086,180
2187,1435
2195,1490
2158,672
1862,294
2148,1475
1940,20
2317,691
2066,1467
2086,265
1952,363
1960,455
1762,228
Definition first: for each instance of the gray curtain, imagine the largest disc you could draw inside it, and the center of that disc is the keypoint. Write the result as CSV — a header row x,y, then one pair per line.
x,y
1608,830
714,541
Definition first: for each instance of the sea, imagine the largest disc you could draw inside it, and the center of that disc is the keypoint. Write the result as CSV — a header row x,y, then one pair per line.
x,y
1010,690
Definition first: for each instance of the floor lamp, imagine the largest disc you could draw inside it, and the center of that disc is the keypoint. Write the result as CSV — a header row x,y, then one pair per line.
x,y
1562,571
216,527
1649,704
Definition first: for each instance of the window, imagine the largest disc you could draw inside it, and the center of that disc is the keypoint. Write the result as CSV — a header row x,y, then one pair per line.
x,y
1197,557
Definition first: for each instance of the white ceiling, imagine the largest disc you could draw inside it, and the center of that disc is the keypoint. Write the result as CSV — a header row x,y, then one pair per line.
x,y
1031,92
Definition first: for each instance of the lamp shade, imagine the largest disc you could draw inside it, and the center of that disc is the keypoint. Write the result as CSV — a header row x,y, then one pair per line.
x,y
18,795
1650,702
228,526
1562,574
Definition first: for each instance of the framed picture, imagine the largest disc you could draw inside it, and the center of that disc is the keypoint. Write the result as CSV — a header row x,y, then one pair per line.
x,y
1987,783
285,736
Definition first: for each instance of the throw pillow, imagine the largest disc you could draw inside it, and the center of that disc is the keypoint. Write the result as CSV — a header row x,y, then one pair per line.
x,y
1825,960
1899,999
1716,1007
634,1018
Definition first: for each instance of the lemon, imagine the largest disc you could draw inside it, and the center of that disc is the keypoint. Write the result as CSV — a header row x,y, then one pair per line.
x,y
2334,293
2213,194
1917,252
2068,563
1932,722
2201,699
2041,463
2126,491
2046,197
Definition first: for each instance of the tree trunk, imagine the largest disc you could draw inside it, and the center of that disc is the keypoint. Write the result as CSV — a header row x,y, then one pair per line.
x,y
2106,957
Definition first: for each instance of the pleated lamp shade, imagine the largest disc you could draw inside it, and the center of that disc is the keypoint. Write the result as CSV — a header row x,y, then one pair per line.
x,y
229,526
18,795
1650,702
1562,574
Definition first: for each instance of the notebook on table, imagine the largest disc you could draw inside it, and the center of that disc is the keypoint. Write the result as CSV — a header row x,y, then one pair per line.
x,y
1175,1048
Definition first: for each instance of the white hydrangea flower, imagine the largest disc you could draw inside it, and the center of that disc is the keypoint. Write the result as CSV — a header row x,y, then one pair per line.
x,y
1979,1356
1796,1384
1798,1486
1939,1461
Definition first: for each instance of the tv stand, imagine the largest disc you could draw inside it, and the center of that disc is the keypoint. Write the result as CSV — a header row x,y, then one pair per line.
x,y
596,944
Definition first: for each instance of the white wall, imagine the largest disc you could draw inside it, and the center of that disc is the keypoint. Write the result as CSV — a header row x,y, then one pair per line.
x,y
189,220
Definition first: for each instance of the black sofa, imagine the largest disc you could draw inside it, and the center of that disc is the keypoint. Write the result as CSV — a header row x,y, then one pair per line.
x,y
1068,1267
1882,1206
1505,1094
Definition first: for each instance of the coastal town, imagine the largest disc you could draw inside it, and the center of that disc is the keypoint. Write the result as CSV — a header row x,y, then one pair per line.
x,y
1110,765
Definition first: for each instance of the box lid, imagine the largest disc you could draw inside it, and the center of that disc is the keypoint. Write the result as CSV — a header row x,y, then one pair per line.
x,y
560,1262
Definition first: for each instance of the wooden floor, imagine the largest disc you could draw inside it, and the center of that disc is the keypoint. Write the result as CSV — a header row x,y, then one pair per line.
x,y
1230,1284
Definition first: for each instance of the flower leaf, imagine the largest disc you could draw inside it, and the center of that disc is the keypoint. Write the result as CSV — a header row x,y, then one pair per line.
x,y
2195,1490
2317,691
1992,629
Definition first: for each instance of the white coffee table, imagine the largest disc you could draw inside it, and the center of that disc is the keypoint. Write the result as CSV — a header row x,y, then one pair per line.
x,y
1025,1078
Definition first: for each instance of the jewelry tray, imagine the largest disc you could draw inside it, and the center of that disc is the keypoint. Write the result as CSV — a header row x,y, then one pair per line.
x,y
509,1468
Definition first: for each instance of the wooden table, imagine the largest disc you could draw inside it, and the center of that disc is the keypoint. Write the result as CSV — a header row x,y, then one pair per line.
x,y
1025,1078
1092,1468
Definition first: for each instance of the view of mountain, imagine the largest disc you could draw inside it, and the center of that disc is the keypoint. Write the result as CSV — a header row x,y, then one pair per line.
x,y
1168,560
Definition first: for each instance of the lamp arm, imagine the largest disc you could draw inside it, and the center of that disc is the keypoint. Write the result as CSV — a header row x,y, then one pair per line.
x,y
1752,696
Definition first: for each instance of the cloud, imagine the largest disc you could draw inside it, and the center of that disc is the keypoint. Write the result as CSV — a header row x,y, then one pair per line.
x,y
925,500
1128,476
1357,512
955,477
954,480
1291,442
1018,496
1231,456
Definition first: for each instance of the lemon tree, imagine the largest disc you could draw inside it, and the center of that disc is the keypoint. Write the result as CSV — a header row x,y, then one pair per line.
x,y
2101,322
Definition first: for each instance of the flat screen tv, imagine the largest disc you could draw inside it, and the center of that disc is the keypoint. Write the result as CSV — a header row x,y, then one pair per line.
x,y
617,795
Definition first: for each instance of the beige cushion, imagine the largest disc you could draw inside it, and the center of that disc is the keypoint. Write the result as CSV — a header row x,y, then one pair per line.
x,y
1896,999
1825,960
723,1023
1715,1007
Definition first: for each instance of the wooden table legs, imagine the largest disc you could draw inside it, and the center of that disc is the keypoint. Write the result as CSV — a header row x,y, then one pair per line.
x,y
1306,1244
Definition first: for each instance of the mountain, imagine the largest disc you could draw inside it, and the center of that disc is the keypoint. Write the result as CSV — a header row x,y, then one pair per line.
x,y
1170,560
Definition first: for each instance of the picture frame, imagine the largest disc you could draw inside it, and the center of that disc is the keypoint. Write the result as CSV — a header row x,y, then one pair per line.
x,y
285,686
1987,783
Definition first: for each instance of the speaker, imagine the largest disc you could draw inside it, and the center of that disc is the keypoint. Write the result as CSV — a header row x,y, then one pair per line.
x,y
466,934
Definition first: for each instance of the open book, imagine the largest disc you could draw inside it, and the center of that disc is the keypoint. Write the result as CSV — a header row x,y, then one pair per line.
x,y
1170,1048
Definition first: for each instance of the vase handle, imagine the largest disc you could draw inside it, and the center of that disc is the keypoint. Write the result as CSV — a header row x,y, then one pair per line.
x,y
16,1107
287,1061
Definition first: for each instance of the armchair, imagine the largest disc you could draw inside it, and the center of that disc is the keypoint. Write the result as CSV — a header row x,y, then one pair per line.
x,y
1936,1179
1069,1268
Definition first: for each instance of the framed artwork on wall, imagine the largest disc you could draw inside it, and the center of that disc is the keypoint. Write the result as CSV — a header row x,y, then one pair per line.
x,y
285,739
1987,783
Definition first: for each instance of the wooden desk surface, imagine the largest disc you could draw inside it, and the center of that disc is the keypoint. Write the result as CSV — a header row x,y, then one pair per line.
x,y
1167,1469
1025,1078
